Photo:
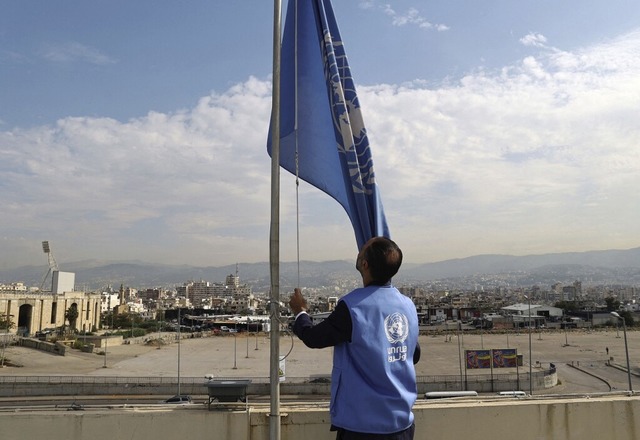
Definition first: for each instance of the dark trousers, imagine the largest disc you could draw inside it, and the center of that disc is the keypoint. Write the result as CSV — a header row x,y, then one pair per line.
x,y
407,434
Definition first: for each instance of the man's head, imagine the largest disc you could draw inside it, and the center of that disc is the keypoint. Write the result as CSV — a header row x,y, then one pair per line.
x,y
378,261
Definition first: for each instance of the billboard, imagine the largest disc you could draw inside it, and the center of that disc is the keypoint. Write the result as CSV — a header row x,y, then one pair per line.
x,y
478,359
495,358
505,358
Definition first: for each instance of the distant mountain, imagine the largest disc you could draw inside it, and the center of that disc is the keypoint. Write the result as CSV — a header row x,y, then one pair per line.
x,y
93,275
621,266
496,264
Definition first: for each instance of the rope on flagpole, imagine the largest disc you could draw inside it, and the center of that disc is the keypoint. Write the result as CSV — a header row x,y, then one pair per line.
x,y
295,76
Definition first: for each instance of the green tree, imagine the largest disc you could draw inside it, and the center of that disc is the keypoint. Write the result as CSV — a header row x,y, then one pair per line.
x,y
567,306
71,315
612,304
123,322
628,318
6,322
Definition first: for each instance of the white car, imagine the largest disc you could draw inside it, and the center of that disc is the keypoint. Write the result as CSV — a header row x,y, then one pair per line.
x,y
179,400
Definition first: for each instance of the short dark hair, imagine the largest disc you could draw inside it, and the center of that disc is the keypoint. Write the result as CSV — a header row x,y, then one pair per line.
x,y
384,258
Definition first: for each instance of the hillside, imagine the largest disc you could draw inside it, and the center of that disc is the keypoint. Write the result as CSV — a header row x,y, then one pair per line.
x,y
596,267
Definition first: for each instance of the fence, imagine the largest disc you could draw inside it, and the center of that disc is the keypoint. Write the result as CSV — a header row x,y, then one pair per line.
x,y
12,386
486,383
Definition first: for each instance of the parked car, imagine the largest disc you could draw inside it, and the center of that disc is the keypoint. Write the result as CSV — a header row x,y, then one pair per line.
x,y
179,400
224,328
512,394
45,332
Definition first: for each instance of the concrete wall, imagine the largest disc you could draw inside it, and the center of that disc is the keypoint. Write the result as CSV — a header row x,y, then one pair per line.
x,y
609,417
34,386
487,384
99,342
50,347
25,386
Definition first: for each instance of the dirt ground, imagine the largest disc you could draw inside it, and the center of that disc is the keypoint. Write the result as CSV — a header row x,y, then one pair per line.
x,y
248,356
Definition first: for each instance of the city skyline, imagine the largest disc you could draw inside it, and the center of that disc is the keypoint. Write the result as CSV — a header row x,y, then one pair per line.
x,y
597,268
138,131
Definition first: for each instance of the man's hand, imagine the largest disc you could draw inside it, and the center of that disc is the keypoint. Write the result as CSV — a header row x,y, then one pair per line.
x,y
297,302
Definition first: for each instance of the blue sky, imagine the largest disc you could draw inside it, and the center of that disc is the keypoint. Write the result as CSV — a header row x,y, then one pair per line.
x,y
136,130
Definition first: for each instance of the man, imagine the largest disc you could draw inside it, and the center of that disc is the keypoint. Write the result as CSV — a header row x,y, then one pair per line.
x,y
374,330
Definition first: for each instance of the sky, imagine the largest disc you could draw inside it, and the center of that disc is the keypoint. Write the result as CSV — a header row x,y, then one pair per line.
x,y
136,131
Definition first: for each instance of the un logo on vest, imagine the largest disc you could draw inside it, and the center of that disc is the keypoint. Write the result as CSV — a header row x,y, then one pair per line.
x,y
396,326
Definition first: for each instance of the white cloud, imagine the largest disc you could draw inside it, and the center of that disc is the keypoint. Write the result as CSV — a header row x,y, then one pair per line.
x,y
534,39
74,51
411,16
8,57
366,4
538,157
515,161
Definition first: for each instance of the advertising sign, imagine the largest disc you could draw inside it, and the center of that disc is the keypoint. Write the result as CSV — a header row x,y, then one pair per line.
x,y
478,359
505,358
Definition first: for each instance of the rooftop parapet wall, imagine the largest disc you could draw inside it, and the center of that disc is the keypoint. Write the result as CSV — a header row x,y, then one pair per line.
x,y
608,417
23,386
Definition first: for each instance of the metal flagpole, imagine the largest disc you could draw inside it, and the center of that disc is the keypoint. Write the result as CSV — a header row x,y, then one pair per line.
x,y
274,235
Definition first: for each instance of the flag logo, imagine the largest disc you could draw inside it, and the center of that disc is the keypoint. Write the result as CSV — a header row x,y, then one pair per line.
x,y
323,139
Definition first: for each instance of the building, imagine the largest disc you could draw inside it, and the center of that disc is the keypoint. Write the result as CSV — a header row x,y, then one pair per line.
x,y
13,287
108,301
202,293
519,314
34,311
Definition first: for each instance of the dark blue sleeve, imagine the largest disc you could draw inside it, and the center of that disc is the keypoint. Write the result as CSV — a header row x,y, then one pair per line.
x,y
334,330
416,354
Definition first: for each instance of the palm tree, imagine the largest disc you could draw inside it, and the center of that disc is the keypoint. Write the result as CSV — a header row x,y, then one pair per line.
x,y
71,315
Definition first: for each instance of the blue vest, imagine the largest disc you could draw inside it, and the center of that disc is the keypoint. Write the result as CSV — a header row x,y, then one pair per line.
x,y
373,382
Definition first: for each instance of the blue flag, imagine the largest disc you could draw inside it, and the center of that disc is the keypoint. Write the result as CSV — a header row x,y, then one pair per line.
x,y
321,125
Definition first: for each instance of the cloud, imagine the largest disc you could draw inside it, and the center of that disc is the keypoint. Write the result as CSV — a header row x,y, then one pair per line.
x,y
539,156
74,51
522,160
8,57
411,16
534,39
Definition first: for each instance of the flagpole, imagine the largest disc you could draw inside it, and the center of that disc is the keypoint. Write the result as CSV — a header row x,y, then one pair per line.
x,y
274,234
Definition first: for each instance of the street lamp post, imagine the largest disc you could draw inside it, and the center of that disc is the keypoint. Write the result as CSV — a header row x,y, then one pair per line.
x,y
106,343
446,331
626,348
508,333
530,359
257,326
460,354
5,339
179,337
106,339
235,351
248,334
